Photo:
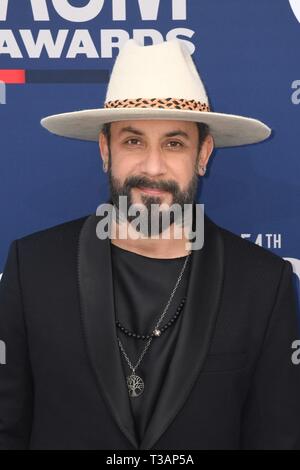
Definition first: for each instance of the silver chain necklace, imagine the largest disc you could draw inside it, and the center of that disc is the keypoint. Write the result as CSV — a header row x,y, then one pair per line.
x,y
135,383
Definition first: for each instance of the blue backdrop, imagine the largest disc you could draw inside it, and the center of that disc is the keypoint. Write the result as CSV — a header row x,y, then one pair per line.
x,y
246,52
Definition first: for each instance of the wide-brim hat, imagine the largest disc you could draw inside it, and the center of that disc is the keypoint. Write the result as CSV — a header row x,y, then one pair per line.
x,y
160,81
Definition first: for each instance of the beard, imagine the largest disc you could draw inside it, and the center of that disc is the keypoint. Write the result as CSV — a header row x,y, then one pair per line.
x,y
150,210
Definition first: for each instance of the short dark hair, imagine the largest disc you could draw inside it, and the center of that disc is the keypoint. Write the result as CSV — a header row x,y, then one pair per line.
x,y
203,131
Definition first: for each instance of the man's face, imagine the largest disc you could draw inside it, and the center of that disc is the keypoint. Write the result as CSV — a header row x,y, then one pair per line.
x,y
152,162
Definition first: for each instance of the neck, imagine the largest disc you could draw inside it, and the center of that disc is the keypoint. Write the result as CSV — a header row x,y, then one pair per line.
x,y
126,237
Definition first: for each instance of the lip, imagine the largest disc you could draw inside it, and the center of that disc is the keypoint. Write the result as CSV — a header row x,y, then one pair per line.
x,y
151,191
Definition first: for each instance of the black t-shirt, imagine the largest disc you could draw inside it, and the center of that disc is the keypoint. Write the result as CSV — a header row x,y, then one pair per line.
x,y
142,288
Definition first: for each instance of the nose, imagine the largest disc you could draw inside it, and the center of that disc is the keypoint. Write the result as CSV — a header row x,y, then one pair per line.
x,y
153,163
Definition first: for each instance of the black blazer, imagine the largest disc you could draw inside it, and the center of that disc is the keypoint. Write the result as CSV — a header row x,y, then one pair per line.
x,y
231,384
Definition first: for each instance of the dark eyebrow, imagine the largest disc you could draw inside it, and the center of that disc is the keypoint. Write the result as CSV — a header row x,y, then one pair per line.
x,y
168,134
130,129
174,133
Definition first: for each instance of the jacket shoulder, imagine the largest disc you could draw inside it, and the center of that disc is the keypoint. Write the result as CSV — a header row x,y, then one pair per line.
x,y
244,251
51,235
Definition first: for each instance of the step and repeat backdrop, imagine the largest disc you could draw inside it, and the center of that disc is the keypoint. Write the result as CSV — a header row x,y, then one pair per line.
x,y
56,56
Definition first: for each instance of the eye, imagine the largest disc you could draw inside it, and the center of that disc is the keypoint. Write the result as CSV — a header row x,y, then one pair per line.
x,y
174,144
132,141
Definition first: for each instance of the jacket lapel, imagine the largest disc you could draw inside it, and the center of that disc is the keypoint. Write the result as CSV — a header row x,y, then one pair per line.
x,y
198,321
98,320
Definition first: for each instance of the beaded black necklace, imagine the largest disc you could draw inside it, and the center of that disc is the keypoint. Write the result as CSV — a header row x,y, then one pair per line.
x,y
157,332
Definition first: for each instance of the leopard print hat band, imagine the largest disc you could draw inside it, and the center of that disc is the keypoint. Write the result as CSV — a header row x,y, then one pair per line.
x,y
163,103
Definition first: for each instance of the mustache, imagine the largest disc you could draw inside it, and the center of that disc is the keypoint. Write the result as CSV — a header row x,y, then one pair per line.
x,y
141,181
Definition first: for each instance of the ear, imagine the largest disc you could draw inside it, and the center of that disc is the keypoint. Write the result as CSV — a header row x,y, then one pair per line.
x,y
205,152
103,146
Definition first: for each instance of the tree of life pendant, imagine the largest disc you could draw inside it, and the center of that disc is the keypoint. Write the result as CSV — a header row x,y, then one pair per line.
x,y
135,385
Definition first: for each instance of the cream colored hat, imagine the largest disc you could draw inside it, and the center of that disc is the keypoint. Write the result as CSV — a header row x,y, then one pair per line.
x,y
157,82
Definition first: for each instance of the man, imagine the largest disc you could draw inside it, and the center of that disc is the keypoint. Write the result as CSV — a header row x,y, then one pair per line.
x,y
140,341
